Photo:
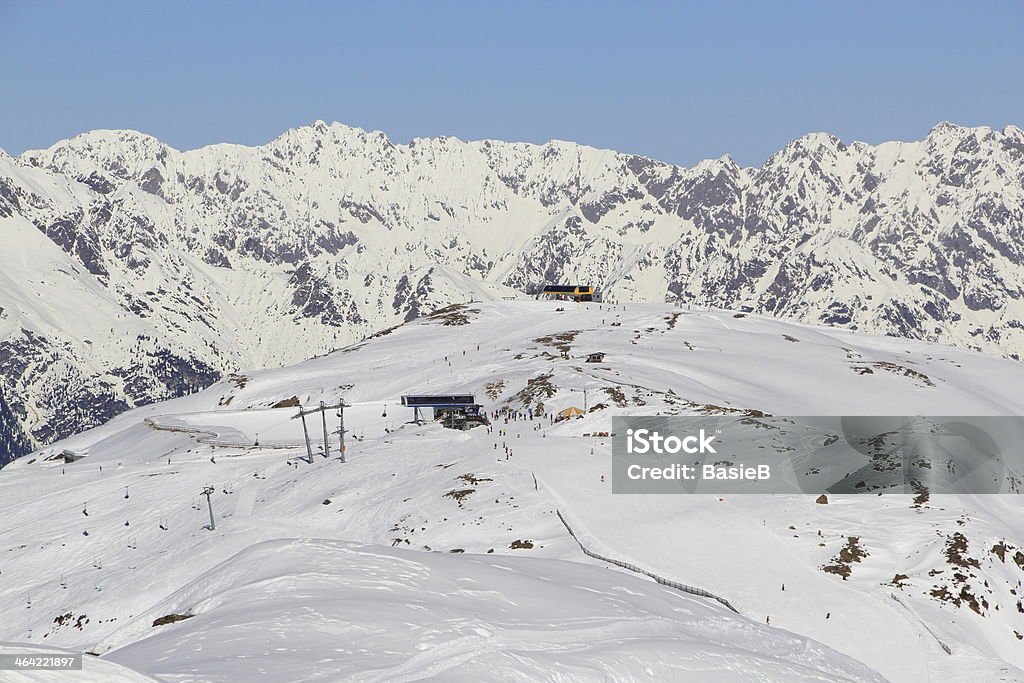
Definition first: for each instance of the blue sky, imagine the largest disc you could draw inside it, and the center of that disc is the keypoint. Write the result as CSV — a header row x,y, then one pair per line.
x,y
675,81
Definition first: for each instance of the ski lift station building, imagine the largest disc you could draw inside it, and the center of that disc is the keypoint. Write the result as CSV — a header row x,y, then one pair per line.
x,y
70,455
575,292
457,409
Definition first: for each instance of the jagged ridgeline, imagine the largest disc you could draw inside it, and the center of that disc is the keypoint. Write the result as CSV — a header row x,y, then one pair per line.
x,y
141,272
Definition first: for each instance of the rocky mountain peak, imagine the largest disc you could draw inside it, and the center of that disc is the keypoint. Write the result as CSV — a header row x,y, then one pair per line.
x,y
228,256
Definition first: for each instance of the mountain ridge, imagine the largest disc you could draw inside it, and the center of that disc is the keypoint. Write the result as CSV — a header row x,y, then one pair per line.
x,y
204,262
321,125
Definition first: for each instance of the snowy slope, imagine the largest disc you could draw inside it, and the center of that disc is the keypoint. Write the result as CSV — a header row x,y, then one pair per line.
x,y
208,261
93,669
326,610
431,489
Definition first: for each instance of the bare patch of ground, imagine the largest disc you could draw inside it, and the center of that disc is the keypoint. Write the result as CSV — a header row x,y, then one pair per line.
x,y
850,553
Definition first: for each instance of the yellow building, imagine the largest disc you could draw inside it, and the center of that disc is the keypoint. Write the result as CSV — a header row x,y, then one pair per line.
x,y
576,292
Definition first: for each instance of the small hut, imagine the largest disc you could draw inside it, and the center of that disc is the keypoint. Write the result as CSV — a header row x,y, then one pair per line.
x,y
573,292
71,456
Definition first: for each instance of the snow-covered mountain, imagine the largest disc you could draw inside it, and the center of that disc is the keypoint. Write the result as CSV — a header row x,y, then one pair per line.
x,y
317,563
133,272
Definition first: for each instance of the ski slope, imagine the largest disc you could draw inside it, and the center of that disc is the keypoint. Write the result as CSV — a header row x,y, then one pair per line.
x,y
93,669
302,561
328,610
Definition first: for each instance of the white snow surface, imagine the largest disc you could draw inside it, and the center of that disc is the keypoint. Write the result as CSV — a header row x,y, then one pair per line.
x,y
428,554
325,610
93,668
